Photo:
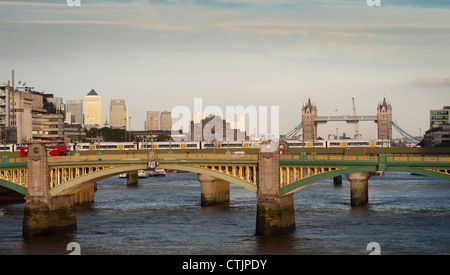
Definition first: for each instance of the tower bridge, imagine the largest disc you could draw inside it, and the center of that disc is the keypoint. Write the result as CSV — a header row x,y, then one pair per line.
x,y
51,184
310,120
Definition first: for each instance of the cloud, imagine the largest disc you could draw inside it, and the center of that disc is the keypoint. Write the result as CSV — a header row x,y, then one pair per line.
x,y
431,82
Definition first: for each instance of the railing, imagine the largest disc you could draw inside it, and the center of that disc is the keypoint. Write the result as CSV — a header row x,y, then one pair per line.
x,y
208,156
148,156
238,157
367,158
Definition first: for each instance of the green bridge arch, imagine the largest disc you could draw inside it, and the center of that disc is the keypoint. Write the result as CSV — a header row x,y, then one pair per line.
x,y
73,185
242,183
14,187
297,185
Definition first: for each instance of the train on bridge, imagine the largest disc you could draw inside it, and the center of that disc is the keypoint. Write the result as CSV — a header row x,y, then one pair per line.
x,y
185,145
61,147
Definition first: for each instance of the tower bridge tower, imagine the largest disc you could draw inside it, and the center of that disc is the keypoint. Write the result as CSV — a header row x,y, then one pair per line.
x,y
309,114
384,118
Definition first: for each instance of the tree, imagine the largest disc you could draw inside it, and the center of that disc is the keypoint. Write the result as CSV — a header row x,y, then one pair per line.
x,y
108,134
163,137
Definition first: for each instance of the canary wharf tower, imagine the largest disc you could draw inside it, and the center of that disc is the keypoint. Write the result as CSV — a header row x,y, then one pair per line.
x,y
93,109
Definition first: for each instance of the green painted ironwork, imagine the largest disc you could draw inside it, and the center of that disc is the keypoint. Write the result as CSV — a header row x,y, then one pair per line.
x,y
242,183
78,183
408,164
14,187
347,164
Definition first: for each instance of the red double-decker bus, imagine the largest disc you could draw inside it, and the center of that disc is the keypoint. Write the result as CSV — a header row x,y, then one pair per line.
x,y
54,148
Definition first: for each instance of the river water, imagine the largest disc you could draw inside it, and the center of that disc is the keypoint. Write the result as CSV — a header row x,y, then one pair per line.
x,y
407,214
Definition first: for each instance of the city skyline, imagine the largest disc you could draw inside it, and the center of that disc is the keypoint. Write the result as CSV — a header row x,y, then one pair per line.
x,y
237,52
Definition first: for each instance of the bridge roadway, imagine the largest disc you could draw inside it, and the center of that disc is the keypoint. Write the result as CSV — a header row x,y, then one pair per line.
x,y
273,177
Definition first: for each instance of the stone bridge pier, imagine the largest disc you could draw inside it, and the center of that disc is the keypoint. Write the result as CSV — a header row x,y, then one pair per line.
x,y
44,214
275,213
359,188
214,191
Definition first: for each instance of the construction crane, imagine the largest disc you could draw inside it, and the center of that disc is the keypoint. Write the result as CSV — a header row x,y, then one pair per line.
x,y
355,121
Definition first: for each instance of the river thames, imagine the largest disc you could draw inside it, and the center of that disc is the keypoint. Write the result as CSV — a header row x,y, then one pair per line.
x,y
407,214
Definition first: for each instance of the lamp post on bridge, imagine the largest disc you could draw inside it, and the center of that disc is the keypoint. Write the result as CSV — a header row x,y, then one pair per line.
x,y
129,130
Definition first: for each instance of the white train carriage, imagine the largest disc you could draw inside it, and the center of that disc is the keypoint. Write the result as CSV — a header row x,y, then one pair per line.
x,y
118,146
231,145
251,144
168,145
9,147
352,143
207,145
307,144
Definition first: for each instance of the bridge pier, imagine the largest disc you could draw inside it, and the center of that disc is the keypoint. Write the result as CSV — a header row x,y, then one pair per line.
x,y
213,191
44,214
85,195
275,213
132,178
337,180
359,188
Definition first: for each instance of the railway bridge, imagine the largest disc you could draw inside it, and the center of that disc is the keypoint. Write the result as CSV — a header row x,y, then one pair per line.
x,y
51,184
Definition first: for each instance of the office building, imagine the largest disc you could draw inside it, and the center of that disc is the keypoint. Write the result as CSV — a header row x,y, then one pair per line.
x,y
4,89
214,128
31,120
93,109
20,106
166,121
152,120
58,104
118,114
437,135
46,127
74,111
441,116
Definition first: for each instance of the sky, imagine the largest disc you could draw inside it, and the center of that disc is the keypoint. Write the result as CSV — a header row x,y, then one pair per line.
x,y
161,54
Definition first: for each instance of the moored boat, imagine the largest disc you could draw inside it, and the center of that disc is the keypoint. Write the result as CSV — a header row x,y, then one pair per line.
x,y
159,173
123,175
143,174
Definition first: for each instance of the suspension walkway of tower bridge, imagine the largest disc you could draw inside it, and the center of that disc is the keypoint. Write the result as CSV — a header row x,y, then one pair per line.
x,y
285,174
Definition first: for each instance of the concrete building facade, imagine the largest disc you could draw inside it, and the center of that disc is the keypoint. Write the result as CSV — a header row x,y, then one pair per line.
x,y
20,107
